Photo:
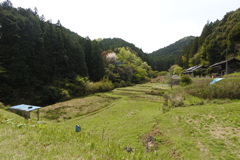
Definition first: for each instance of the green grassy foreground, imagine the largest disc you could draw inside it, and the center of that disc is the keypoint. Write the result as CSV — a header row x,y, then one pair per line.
x,y
125,117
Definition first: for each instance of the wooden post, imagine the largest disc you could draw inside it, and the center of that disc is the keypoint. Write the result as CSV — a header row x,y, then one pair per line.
x,y
38,114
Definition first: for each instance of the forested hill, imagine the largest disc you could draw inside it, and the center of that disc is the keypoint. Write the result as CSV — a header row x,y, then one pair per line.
x,y
175,48
167,56
114,43
37,57
42,63
216,38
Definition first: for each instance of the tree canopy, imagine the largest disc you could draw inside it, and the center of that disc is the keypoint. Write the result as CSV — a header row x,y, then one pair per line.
x,y
216,38
42,63
164,58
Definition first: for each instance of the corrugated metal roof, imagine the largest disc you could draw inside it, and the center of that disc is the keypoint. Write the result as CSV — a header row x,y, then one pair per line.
x,y
223,62
191,69
24,107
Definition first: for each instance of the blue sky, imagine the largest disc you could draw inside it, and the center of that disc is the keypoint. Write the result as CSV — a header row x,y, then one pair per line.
x,y
149,24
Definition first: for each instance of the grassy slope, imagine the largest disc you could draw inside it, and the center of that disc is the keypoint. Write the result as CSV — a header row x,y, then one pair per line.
x,y
204,132
128,116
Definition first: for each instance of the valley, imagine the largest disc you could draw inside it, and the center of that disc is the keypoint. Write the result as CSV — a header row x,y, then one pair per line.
x,y
130,117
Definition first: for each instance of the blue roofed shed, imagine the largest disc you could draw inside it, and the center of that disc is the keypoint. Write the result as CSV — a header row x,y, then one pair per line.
x,y
24,110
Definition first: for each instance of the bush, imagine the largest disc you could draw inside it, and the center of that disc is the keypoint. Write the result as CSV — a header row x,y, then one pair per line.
x,y
77,87
1,105
175,82
106,86
172,100
156,92
122,83
163,73
128,83
101,86
225,89
185,80
116,85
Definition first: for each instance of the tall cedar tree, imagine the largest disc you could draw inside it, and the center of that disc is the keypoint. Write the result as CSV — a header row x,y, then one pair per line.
x,y
36,57
96,67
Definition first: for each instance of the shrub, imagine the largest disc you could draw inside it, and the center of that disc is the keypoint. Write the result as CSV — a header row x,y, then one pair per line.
x,y
128,83
77,87
122,83
162,73
224,89
172,100
116,85
101,86
175,82
155,92
65,94
158,79
1,105
185,80
105,85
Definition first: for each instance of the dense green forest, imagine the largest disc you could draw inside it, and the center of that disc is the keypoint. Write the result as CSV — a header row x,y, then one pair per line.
x,y
164,58
218,39
42,63
114,43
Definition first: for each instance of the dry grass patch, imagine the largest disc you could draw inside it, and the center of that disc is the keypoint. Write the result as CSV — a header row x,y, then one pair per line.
x,y
225,132
76,107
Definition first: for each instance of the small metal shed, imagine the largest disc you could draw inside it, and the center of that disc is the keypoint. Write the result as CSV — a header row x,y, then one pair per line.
x,y
24,110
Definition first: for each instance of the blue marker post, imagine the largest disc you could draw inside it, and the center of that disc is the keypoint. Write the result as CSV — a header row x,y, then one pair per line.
x,y
78,128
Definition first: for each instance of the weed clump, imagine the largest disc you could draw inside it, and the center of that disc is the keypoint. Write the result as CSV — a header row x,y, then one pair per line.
x,y
185,80
172,101
155,92
55,114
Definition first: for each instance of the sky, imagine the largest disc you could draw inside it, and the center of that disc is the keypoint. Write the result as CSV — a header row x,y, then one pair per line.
x,y
148,24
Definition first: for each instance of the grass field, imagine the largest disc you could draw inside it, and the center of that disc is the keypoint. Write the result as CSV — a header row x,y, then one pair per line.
x,y
126,117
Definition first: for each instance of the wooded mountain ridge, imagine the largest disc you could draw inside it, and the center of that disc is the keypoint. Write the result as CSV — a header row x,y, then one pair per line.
x,y
113,43
163,58
42,63
218,41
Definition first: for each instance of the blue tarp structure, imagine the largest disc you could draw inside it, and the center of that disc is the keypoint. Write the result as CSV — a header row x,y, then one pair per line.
x,y
24,110
216,80
24,107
